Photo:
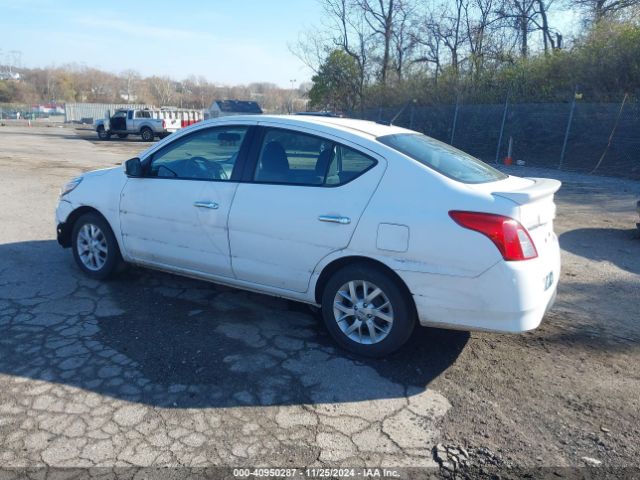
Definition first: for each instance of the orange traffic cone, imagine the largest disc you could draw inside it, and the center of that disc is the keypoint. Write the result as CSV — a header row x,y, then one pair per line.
x,y
508,160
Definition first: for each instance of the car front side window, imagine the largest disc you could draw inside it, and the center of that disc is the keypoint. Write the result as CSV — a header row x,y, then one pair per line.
x,y
208,154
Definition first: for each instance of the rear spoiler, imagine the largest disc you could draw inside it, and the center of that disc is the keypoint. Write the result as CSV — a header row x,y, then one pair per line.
x,y
542,187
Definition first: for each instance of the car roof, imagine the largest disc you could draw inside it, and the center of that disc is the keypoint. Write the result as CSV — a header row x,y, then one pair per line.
x,y
363,128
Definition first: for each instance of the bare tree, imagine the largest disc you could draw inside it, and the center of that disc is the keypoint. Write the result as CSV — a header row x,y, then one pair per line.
x,y
130,80
521,13
403,36
311,48
547,35
162,89
380,16
599,10
427,44
446,24
479,16
350,32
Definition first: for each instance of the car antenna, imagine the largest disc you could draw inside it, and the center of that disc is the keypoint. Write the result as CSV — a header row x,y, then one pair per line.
x,y
413,100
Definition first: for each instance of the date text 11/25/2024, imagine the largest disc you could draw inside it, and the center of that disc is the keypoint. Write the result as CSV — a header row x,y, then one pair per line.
x,y
316,472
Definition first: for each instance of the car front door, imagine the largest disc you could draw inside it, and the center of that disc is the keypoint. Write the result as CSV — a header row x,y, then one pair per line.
x,y
176,214
302,199
118,122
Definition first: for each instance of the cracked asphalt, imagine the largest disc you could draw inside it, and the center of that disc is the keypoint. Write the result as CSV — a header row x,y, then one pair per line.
x,y
154,369
157,370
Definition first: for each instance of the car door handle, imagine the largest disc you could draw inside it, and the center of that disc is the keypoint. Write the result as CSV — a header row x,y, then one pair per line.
x,y
335,219
211,205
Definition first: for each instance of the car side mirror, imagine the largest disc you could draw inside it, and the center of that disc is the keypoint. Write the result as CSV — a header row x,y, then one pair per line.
x,y
133,167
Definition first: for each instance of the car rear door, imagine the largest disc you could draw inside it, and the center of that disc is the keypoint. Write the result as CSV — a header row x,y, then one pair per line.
x,y
302,198
176,215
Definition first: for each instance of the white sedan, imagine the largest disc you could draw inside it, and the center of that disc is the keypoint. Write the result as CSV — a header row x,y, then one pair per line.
x,y
380,226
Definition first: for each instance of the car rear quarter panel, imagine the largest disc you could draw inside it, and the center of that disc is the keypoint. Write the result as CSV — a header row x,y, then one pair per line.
x,y
412,195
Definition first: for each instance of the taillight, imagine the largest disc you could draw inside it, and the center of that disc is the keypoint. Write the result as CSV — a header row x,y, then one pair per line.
x,y
511,238
164,124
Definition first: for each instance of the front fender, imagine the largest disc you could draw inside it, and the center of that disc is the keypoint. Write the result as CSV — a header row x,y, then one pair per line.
x,y
100,191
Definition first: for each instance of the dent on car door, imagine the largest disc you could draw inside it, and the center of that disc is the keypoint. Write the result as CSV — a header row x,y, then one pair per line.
x,y
305,196
176,215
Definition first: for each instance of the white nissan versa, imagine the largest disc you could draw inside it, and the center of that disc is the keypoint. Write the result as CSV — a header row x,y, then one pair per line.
x,y
379,225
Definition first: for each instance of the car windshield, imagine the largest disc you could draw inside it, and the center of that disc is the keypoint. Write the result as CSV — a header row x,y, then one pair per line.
x,y
443,158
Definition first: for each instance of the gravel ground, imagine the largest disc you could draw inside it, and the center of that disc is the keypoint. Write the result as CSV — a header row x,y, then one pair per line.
x,y
157,370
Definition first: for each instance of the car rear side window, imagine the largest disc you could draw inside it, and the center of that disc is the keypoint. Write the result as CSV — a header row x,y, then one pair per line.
x,y
295,158
442,158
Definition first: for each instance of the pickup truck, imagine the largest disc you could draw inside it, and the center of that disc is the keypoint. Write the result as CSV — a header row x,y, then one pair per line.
x,y
136,122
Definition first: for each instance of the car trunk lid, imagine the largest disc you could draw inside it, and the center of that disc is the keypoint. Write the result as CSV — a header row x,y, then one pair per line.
x,y
535,200
536,206
535,209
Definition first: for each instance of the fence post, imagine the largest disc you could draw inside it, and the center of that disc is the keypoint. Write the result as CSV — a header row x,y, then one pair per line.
x,y
566,133
504,118
455,119
379,114
413,109
613,131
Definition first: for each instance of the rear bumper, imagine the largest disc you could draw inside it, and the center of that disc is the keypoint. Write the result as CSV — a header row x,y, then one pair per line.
x,y
509,297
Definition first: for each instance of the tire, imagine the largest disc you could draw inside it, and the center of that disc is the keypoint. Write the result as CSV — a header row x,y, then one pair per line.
x,y
123,135
100,259
392,303
147,134
103,134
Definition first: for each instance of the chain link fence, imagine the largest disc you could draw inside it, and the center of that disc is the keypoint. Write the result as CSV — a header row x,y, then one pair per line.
x,y
601,138
21,113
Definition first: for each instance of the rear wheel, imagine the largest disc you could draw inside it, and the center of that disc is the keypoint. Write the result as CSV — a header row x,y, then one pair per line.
x,y
94,246
147,134
367,311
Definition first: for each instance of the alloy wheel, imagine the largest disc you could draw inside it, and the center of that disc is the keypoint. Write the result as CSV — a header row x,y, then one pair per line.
x,y
363,312
92,247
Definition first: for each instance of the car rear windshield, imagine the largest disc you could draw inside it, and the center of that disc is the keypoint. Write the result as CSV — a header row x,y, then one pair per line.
x,y
443,158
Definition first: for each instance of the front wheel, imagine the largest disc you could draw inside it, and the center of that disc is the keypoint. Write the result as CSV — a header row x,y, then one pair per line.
x,y
94,246
147,134
103,134
367,311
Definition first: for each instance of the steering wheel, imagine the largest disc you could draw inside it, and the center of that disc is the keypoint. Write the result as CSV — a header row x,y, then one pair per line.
x,y
216,171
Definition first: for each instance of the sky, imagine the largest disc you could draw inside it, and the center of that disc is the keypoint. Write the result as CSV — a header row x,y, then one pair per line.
x,y
228,42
